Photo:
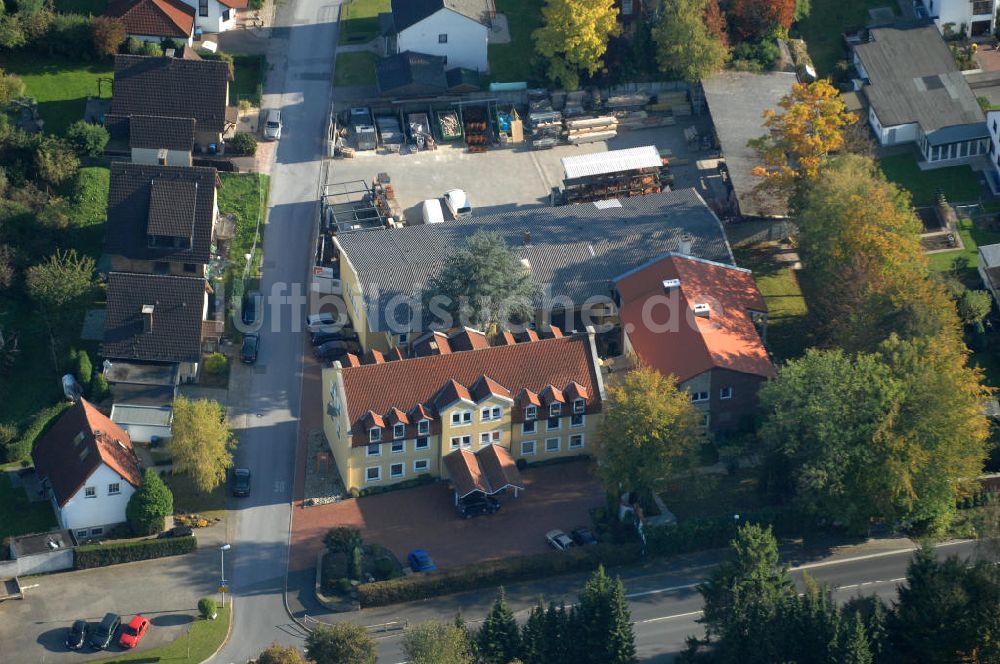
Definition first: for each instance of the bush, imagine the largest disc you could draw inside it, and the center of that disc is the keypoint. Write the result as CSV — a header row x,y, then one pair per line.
x,y
355,569
342,539
216,364
383,569
20,449
100,555
344,585
89,140
149,505
108,34
495,572
132,46
207,608
8,432
71,35
151,49
83,369
243,143
419,480
99,389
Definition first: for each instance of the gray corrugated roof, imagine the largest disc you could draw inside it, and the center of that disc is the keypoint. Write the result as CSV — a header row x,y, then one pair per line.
x,y
612,161
576,251
914,79
737,101
157,416
990,254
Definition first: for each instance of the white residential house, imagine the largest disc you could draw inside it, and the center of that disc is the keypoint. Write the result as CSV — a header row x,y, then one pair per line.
x,y
87,464
213,16
457,30
978,17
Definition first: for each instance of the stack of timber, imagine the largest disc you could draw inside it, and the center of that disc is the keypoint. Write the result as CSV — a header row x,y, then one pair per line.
x,y
634,100
451,128
588,130
475,128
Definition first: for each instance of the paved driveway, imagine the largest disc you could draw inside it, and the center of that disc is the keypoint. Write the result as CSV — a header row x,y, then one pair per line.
x,y
559,496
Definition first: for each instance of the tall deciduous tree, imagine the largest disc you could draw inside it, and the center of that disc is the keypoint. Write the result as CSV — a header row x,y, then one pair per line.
x,y
499,637
60,287
436,643
686,47
482,284
55,161
341,643
649,431
974,306
276,654
149,505
761,19
201,445
574,37
109,33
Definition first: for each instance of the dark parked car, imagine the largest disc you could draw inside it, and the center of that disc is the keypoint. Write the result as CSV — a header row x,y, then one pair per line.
x,y
420,561
241,482
346,334
176,531
334,350
477,504
251,300
77,635
102,635
582,536
251,344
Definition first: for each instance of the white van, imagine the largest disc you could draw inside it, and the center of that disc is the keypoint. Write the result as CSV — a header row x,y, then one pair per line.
x,y
458,203
432,213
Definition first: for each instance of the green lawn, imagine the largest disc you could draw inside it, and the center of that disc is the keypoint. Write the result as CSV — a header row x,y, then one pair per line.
x,y
959,183
249,78
245,196
786,307
188,499
92,7
60,85
826,22
359,21
706,496
20,517
201,642
354,69
512,62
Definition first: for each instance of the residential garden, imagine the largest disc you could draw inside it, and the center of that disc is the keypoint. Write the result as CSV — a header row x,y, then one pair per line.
x,y
359,20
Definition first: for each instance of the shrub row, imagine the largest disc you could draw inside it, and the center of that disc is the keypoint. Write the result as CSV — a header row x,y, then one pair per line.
x,y
101,555
495,572
419,480
20,448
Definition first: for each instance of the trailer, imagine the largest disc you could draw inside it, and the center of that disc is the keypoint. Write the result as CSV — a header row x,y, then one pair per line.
x,y
476,137
419,130
449,125
363,129
613,174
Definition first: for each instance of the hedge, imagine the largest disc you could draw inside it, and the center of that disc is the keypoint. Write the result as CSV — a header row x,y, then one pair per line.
x,y
20,449
113,553
419,480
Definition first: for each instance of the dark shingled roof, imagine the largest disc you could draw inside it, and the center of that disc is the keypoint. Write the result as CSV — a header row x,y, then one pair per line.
x,y
574,250
177,201
913,78
157,132
411,73
178,303
406,13
172,87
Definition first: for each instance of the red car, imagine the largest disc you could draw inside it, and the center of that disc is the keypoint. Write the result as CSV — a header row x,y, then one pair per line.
x,y
134,631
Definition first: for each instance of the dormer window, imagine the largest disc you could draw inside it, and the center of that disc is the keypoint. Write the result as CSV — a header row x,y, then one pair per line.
x,y
530,413
375,435
579,405
555,409
460,417
491,413
423,427
398,430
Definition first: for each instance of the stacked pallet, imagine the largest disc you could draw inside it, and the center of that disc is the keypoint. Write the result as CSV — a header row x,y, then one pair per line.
x,y
475,129
635,100
589,130
546,128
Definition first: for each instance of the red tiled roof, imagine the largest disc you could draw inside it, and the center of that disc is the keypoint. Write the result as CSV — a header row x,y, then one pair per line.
x,y
490,470
485,386
527,397
396,415
552,394
68,459
467,339
441,379
432,343
692,345
576,391
154,18
235,4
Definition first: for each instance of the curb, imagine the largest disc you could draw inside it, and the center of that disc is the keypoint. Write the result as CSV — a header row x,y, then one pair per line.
x,y
229,632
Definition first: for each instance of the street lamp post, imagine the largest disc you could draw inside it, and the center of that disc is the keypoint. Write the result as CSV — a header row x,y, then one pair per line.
x,y
222,567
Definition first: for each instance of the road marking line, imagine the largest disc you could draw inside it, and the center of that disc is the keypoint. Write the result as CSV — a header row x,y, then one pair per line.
x,y
662,618
869,556
658,591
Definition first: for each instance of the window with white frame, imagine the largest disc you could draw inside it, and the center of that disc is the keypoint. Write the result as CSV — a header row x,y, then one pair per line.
x,y
490,438
461,441
81,533
423,442
579,405
90,492
527,448
421,466
399,430
528,426
460,417
374,435
551,444
94,532
398,446
374,450
491,413
114,488
705,417
373,474
423,427
552,424
397,470
555,409
699,396
530,413
576,441
576,420
726,393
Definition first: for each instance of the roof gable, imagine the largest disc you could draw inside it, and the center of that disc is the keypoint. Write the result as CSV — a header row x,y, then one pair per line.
x,y
407,13
154,18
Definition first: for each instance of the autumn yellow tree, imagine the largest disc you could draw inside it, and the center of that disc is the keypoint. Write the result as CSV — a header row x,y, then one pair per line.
x,y
201,444
810,128
574,37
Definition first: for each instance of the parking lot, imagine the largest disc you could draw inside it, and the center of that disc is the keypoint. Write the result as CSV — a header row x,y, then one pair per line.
x,y
558,496
503,179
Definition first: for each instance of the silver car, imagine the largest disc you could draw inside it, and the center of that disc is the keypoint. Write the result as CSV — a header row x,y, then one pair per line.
x,y
272,126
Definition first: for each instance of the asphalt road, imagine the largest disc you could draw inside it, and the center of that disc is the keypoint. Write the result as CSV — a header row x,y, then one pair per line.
x,y
266,417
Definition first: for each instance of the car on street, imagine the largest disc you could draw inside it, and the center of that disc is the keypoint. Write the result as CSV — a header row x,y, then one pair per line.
x,y
133,632
582,536
420,561
272,125
176,531
458,203
77,635
346,334
252,302
334,350
558,540
325,322
102,635
477,504
241,482
251,344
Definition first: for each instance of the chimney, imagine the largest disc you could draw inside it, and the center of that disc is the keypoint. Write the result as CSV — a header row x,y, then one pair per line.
x,y
684,245
147,318
702,309
526,236
671,284
169,52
